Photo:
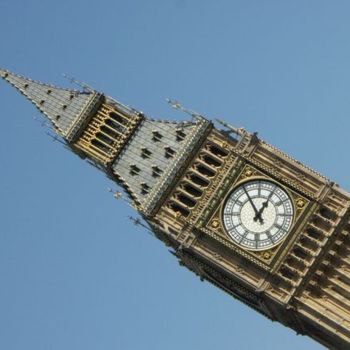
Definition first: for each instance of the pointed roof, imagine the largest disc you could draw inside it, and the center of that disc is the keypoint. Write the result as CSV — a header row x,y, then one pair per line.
x,y
67,109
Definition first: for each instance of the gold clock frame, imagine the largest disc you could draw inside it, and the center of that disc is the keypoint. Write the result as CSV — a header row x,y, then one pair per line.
x,y
256,178
269,255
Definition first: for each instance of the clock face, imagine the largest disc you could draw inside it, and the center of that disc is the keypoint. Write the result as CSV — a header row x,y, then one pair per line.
x,y
258,214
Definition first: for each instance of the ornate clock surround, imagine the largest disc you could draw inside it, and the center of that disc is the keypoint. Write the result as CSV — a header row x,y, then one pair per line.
x,y
258,214
245,160
269,256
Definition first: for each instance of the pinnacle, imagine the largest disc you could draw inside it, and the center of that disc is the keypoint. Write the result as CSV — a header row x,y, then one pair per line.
x,y
63,107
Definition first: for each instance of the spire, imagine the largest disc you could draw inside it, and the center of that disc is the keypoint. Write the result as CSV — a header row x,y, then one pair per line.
x,y
67,109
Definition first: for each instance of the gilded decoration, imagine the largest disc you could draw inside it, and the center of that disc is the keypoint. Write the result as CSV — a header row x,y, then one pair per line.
x,y
213,192
268,256
214,166
107,133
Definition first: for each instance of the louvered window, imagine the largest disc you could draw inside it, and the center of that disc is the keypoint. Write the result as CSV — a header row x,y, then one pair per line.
x,y
145,153
156,171
157,136
134,170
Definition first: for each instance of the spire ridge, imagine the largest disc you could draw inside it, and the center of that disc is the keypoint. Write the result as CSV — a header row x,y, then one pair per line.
x,y
66,109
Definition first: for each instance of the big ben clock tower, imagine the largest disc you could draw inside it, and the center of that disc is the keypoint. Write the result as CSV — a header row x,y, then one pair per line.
x,y
235,210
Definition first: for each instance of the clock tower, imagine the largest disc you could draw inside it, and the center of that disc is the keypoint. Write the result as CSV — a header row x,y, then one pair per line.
x,y
235,210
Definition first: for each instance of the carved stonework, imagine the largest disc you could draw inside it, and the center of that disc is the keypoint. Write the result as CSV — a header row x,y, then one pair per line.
x,y
266,256
218,278
187,237
298,273
102,140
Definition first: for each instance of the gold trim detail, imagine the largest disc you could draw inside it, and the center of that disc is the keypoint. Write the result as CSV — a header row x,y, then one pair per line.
x,y
265,256
106,134
215,223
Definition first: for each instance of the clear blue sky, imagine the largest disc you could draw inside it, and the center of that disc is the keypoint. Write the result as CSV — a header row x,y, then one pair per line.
x,y
75,273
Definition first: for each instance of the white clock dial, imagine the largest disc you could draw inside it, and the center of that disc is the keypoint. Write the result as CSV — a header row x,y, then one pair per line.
x,y
258,214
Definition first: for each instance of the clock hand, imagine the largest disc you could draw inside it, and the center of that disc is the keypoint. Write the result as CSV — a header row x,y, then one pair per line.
x,y
257,216
261,210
